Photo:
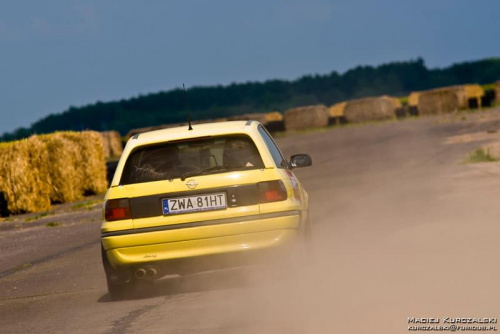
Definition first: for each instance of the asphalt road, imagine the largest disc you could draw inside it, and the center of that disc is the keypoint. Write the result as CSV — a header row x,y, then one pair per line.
x,y
402,228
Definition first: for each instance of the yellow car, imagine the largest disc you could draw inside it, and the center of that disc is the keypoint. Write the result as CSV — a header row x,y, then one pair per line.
x,y
186,200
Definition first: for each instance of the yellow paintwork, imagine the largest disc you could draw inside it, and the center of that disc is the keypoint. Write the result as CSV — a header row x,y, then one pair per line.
x,y
216,239
210,231
244,235
204,182
200,247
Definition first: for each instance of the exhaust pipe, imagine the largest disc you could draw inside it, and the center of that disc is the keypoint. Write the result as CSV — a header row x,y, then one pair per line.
x,y
151,273
140,273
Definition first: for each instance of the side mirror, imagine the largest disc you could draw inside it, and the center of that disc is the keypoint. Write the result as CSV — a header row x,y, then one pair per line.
x,y
300,160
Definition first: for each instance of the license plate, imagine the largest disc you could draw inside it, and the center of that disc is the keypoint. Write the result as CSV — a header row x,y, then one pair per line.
x,y
194,203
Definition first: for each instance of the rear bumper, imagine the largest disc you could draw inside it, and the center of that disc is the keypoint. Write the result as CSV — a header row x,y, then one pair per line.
x,y
197,241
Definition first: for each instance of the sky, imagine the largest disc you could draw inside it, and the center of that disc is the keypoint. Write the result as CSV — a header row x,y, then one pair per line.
x,y
60,53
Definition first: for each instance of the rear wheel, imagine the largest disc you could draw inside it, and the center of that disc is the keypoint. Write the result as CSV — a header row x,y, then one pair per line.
x,y
121,285
120,291
296,261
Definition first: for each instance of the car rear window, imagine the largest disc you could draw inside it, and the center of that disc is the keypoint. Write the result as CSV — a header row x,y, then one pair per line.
x,y
185,158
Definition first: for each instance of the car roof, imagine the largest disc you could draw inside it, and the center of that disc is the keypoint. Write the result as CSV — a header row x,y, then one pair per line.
x,y
199,130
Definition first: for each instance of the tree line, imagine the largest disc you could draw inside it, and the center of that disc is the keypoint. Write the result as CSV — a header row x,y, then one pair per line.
x,y
395,78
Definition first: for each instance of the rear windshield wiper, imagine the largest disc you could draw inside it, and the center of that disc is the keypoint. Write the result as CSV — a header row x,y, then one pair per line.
x,y
207,171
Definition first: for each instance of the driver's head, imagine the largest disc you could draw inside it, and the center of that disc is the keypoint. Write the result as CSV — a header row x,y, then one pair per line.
x,y
162,155
239,152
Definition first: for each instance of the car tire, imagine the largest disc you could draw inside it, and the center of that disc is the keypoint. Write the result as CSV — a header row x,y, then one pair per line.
x,y
121,291
298,259
120,283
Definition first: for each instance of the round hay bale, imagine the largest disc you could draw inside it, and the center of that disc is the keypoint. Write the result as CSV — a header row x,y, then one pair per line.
x,y
413,99
24,175
461,92
371,109
273,121
238,118
306,117
448,99
263,118
474,91
111,144
413,103
337,110
474,94
259,117
439,101
64,163
92,165
274,116
95,181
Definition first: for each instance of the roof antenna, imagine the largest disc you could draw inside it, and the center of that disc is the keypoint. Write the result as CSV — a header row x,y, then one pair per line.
x,y
187,107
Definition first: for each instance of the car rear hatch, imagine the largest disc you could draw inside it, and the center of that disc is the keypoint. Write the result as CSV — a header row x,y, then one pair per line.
x,y
208,181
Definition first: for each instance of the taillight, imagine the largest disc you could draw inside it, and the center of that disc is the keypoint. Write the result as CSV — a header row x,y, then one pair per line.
x,y
272,191
117,209
295,184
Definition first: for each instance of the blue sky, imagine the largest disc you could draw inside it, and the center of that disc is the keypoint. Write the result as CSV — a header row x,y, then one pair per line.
x,y
58,53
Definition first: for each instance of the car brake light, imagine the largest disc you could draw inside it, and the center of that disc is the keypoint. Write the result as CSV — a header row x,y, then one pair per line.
x,y
295,184
272,191
117,209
